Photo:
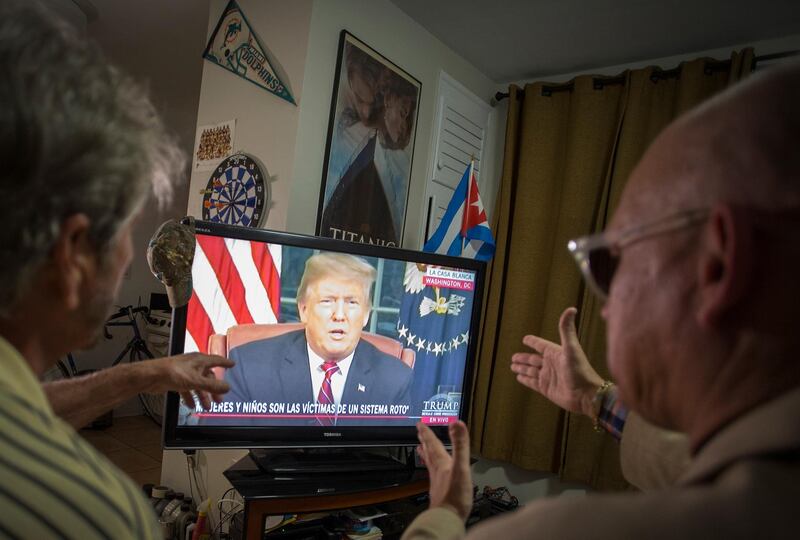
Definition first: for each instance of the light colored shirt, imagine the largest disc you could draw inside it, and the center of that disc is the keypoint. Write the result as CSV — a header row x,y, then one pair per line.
x,y
337,379
53,484
744,482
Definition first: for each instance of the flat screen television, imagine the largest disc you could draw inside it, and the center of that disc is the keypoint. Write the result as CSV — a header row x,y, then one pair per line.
x,y
396,328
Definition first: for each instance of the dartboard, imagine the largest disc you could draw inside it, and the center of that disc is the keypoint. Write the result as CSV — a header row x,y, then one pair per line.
x,y
235,194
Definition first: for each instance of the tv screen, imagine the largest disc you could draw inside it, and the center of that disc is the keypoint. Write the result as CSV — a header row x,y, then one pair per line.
x,y
335,343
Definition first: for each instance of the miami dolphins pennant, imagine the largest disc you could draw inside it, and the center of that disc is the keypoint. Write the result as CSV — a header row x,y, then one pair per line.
x,y
235,46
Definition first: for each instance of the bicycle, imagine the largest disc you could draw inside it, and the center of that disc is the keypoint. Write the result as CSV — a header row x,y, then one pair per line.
x,y
62,369
135,350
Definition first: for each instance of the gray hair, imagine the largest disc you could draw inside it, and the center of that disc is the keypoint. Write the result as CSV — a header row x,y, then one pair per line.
x,y
341,265
76,137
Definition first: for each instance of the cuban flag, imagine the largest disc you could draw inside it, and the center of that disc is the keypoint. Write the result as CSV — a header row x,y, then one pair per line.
x,y
464,230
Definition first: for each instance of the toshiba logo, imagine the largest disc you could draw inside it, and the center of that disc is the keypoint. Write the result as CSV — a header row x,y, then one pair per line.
x,y
331,434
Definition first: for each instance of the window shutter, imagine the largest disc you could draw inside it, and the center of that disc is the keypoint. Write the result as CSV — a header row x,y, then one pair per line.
x,y
461,128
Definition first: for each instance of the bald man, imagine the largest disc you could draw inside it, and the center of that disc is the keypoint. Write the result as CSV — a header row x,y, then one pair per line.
x,y
701,333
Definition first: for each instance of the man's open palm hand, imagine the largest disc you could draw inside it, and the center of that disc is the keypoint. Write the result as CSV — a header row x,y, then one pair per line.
x,y
450,477
561,373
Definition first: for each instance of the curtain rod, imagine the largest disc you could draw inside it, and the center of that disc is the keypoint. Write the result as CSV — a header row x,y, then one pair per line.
x,y
661,74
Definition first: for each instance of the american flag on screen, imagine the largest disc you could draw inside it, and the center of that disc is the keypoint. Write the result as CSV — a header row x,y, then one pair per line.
x,y
234,282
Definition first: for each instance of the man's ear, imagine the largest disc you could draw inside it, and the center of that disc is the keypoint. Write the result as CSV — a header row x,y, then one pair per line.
x,y
726,262
366,319
74,259
301,310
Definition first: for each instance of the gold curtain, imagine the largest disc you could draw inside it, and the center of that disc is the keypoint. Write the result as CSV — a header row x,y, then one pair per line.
x,y
569,151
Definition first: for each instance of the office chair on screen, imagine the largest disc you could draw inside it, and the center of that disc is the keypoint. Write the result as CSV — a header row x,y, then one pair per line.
x,y
240,334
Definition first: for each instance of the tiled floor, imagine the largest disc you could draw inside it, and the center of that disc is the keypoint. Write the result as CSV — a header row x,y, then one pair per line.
x,y
132,443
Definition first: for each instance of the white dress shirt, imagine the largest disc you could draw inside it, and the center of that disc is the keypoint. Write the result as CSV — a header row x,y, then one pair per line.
x,y
318,374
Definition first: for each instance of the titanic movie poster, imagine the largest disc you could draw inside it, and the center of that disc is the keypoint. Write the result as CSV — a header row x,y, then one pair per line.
x,y
370,147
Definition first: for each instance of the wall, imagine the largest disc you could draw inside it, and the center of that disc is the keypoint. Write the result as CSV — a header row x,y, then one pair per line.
x,y
392,33
125,31
769,46
266,125
70,12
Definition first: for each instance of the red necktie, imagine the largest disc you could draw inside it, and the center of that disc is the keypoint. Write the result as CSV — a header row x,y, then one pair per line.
x,y
325,396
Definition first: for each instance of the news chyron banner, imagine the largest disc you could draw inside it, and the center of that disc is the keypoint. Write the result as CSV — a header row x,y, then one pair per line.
x,y
434,321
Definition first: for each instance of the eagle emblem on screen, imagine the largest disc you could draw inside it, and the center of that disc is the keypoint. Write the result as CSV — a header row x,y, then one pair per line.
x,y
441,305
414,283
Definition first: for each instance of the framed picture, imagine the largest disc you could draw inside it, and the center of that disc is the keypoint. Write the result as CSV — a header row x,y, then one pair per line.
x,y
370,147
212,143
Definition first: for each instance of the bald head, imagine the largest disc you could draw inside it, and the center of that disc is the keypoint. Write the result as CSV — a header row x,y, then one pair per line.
x,y
699,329
741,147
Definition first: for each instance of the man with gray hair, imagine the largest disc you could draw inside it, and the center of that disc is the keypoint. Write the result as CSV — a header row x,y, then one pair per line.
x,y
701,283
81,147
327,363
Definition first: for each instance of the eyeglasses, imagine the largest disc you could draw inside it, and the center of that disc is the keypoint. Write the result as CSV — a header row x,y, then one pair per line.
x,y
598,255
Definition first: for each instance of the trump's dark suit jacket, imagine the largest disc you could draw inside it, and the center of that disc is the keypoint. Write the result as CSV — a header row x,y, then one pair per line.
x,y
276,370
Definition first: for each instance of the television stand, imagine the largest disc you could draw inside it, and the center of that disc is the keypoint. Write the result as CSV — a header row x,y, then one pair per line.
x,y
335,461
278,494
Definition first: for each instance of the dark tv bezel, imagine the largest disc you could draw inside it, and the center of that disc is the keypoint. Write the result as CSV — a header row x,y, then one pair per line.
x,y
200,437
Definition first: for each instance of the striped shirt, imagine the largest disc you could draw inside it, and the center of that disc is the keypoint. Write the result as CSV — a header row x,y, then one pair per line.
x,y
53,484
